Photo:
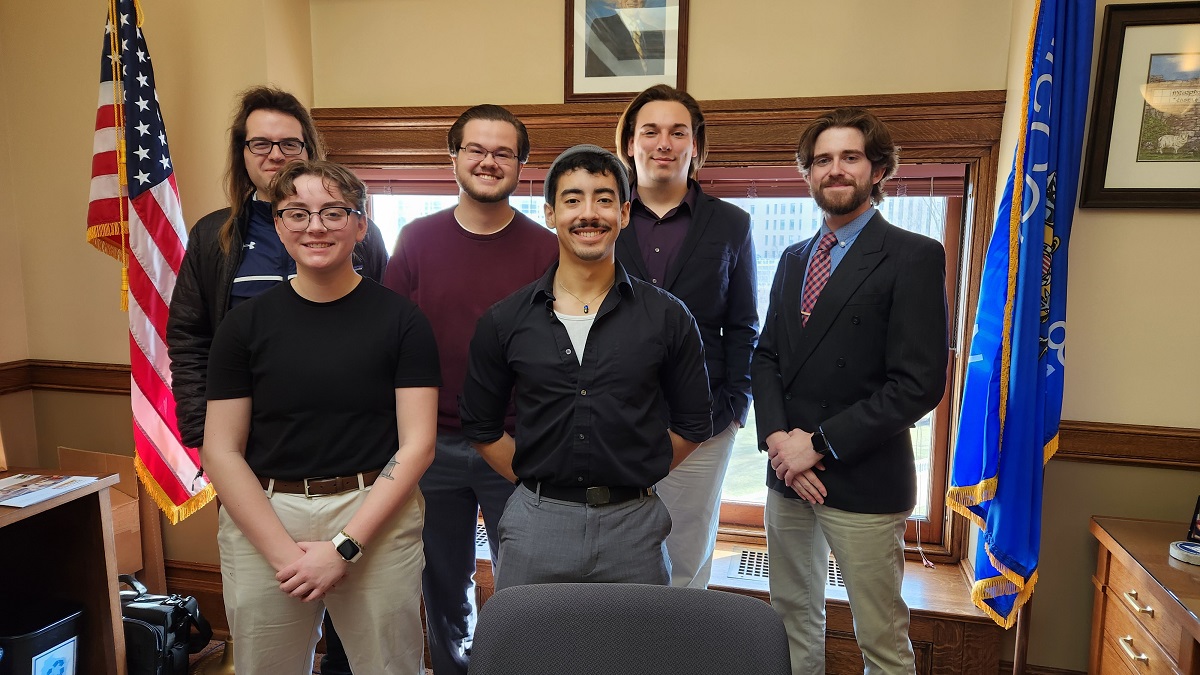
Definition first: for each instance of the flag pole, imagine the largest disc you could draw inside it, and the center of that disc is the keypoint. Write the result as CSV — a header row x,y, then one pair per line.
x,y
1021,650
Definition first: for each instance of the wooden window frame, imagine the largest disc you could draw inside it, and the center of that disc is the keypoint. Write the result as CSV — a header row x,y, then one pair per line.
x,y
941,127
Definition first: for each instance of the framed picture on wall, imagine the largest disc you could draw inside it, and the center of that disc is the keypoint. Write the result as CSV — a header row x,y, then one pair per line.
x,y
1143,148
616,48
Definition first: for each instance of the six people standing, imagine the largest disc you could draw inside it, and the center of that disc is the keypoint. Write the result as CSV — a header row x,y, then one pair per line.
x,y
626,350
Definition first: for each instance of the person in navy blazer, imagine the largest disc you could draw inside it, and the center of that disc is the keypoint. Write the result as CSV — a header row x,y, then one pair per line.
x,y
836,395
699,249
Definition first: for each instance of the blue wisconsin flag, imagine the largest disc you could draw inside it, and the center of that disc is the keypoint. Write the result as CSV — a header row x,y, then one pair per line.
x,y
1012,396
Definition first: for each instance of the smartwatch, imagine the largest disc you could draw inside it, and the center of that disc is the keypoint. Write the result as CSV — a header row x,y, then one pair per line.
x,y
346,547
819,444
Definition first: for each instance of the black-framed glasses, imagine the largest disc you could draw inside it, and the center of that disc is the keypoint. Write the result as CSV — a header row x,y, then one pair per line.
x,y
332,217
477,153
289,146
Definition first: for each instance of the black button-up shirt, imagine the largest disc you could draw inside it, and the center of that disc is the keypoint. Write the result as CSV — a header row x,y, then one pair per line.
x,y
602,422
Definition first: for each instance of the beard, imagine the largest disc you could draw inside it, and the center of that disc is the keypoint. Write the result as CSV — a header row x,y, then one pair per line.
x,y
491,197
840,205
499,192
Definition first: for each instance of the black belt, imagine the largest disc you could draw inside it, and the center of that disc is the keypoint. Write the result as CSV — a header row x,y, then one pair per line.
x,y
317,487
592,496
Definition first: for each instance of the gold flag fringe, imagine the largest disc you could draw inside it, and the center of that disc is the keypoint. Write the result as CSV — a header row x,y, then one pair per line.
x,y
995,587
174,513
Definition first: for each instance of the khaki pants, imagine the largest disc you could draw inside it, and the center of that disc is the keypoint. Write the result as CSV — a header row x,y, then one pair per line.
x,y
376,606
692,495
869,548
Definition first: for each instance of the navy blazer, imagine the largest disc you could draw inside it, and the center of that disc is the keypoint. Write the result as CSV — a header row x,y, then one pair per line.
x,y
869,364
714,275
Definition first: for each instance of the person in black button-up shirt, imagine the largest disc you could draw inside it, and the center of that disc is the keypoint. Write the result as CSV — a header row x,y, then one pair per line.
x,y
611,393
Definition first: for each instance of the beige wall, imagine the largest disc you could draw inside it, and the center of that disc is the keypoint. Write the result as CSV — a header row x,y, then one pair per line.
x,y
1131,350
428,52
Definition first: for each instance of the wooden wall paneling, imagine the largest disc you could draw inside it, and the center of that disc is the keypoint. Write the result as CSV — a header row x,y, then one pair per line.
x,y
954,126
1169,447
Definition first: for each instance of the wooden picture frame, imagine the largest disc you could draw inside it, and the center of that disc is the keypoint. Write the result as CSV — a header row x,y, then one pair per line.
x,y
609,59
1143,147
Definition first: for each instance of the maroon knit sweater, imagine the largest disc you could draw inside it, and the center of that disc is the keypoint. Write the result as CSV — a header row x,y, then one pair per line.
x,y
454,275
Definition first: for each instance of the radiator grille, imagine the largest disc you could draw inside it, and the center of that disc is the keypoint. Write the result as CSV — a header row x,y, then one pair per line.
x,y
752,564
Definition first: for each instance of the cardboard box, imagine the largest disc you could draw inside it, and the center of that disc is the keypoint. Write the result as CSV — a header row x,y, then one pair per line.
x,y
127,527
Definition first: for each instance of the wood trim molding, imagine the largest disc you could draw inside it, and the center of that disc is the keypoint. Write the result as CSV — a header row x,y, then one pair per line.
x,y
742,132
203,582
1168,447
1029,669
74,376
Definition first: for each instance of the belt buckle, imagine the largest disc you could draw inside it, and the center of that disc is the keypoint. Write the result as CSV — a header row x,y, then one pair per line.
x,y
306,494
597,496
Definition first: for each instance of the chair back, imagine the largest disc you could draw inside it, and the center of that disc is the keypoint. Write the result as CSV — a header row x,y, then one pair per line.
x,y
577,629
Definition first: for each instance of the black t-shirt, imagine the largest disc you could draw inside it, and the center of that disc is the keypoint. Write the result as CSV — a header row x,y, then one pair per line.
x,y
322,377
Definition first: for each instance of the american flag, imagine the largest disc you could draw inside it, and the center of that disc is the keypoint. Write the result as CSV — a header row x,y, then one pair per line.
x,y
135,217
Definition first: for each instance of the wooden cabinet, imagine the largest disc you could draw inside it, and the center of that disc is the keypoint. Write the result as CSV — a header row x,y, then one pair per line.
x,y
1146,614
64,547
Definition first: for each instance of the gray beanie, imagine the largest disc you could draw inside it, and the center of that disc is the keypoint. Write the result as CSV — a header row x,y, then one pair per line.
x,y
612,165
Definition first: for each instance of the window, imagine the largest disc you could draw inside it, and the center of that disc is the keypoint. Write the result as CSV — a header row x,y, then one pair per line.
x,y
925,199
922,198
749,136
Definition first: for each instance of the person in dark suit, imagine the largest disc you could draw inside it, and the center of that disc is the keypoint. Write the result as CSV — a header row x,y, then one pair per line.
x,y
852,354
622,44
699,249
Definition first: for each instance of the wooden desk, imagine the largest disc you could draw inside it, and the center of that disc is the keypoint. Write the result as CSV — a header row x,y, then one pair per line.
x,y
64,547
1146,615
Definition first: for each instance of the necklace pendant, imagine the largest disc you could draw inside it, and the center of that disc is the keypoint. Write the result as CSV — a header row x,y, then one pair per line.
x,y
585,309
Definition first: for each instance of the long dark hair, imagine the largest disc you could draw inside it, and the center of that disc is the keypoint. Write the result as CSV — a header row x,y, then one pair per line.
x,y
237,182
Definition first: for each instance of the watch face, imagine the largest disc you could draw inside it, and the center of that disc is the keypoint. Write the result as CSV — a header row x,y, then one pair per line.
x,y
348,549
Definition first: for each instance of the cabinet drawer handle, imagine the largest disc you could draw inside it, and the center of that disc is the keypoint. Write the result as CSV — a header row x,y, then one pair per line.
x,y
1132,598
1127,645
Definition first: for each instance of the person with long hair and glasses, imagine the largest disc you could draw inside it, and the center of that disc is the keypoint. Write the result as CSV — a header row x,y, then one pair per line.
x,y
234,254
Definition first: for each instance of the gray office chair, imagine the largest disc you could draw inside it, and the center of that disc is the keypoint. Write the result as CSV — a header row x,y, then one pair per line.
x,y
631,629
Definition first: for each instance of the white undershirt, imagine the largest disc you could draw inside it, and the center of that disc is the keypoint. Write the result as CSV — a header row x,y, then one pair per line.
x,y
578,328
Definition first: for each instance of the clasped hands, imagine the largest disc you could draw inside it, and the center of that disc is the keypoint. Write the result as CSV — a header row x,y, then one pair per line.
x,y
318,569
793,459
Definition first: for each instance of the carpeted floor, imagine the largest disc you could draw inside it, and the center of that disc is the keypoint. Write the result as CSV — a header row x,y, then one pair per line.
x,y
206,661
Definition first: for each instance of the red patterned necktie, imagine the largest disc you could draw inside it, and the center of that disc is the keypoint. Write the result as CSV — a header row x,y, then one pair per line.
x,y
818,274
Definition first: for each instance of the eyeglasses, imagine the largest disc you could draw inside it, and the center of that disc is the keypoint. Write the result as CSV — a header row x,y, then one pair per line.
x,y
331,217
261,146
476,153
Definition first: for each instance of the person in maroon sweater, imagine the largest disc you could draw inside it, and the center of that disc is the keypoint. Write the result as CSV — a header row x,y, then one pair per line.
x,y
438,264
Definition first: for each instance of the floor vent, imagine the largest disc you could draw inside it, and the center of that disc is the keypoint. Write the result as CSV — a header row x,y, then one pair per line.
x,y
481,549
752,564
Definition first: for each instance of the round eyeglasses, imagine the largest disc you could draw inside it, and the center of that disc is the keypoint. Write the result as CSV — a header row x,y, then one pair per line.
x,y
290,147
476,153
331,217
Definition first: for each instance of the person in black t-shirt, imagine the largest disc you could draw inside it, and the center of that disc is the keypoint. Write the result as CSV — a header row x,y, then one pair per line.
x,y
322,402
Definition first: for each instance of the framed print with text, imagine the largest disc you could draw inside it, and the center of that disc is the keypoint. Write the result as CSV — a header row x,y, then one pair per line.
x,y
1143,148
616,48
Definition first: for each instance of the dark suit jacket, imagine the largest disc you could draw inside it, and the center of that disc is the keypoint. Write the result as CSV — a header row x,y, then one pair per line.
x,y
611,32
869,364
714,275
